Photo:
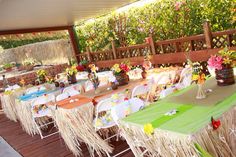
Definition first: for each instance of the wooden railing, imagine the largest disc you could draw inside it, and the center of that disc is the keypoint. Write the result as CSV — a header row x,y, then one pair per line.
x,y
168,51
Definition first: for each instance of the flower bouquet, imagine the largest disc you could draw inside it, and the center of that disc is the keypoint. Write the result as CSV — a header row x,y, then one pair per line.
x,y
120,72
41,75
71,74
223,63
199,78
93,76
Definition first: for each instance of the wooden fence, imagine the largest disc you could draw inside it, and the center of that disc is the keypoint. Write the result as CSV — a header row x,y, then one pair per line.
x,y
200,48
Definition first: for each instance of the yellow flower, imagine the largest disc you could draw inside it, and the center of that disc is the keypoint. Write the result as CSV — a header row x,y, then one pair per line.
x,y
227,60
8,92
195,77
148,129
116,68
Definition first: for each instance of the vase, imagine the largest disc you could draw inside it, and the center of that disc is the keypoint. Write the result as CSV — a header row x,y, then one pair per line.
x,y
225,76
200,93
114,86
122,79
42,79
71,79
144,74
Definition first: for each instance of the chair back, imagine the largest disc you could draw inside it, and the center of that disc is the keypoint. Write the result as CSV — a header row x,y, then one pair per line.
x,y
88,86
62,96
73,90
35,89
141,90
125,108
38,106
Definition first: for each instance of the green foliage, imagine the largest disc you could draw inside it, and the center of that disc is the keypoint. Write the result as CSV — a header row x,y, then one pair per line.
x,y
7,44
166,19
7,65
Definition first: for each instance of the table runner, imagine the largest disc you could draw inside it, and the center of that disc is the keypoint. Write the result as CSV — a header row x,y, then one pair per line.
x,y
218,94
176,136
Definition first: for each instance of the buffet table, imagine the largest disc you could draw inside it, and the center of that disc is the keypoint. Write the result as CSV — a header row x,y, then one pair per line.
x,y
180,121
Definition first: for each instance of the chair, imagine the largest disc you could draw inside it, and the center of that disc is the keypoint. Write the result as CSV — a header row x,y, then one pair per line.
x,y
35,89
62,96
141,90
88,85
185,78
39,109
73,90
120,111
166,92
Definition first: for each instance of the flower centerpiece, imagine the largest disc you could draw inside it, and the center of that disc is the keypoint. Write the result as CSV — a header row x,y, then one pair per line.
x,y
93,76
120,72
146,65
71,74
28,64
223,63
41,75
199,78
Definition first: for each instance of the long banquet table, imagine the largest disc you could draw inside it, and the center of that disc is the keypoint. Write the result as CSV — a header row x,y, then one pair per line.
x,y
176,135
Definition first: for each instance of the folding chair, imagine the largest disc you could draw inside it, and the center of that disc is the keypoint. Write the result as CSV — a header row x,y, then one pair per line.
x,y
120,111
39,109
62,96
35,89
73,90
141,90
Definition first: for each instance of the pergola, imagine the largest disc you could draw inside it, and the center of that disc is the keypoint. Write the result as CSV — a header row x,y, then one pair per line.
x,y
28,16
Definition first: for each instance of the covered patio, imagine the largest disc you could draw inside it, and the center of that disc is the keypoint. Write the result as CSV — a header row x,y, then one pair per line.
x,y
117,78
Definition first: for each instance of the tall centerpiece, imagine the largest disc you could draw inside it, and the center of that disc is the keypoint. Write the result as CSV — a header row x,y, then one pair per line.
x,y
223,63
41,75
93,77
120,72
71,74
199,78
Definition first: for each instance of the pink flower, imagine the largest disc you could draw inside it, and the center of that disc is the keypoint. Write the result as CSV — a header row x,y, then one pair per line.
x,y
178,5
215,62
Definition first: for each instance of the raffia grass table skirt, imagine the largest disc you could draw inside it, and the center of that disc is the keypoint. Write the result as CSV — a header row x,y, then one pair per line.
x,y
176,136
219,143
76,125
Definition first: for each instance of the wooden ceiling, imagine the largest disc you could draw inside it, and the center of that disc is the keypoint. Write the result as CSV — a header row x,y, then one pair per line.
x,y
26,14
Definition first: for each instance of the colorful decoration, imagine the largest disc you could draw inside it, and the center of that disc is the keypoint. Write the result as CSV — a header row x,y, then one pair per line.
x,y
215,123
124,67
223,63
41,74
93,76
71,70
224,58
148,129
22,82
199,78
202,152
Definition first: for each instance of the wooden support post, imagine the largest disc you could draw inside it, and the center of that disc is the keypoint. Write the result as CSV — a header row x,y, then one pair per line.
x,y
208,34
192,45
177,45
114,49
229,40
152,44
73,39
89,56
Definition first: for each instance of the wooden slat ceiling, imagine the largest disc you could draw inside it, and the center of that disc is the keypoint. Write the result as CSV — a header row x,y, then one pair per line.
x,y
26,14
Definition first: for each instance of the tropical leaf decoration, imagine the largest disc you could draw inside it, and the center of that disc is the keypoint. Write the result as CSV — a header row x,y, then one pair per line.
x,y
201,151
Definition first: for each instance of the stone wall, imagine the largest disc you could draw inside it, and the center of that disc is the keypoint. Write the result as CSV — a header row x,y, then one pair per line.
x,y
30,77
48,52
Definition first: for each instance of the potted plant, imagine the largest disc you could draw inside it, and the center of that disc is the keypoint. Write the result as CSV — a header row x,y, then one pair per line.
x,y
41,74
71,74
120,72
7,66
28,64
223,63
